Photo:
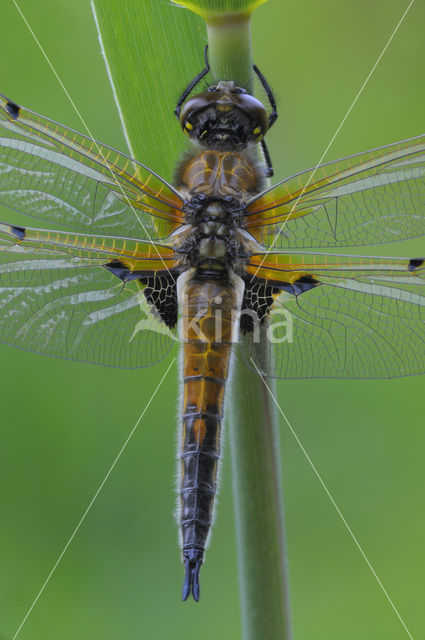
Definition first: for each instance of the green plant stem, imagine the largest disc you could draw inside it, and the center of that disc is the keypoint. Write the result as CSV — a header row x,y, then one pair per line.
x,y
254,440
253,424
229,49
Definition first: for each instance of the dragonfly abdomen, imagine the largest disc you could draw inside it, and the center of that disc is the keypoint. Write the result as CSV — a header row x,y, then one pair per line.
x,y
200,453
209,316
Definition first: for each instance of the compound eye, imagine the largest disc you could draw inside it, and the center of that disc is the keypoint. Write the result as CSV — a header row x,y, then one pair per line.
x,y
212,89
257,132
238,90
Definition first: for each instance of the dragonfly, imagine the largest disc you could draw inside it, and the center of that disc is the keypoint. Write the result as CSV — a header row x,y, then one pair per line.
x,y
131,264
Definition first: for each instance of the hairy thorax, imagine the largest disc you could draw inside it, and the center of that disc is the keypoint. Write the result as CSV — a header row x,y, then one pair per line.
x,y
217,184
222,173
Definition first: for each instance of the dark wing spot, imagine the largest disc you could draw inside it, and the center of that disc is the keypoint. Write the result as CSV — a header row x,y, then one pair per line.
x,y
415,263
303,284
118,269
13,110
18,232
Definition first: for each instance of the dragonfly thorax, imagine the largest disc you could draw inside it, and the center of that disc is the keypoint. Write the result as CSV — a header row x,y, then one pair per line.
x,y
226,175
211,237
217,184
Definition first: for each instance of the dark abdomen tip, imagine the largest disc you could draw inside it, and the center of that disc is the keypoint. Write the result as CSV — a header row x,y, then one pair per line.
x,y
192,565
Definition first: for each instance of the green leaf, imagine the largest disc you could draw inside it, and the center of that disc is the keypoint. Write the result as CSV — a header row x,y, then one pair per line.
x,y
152,51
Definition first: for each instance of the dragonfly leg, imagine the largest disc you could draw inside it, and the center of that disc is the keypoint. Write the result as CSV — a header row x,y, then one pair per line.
x,y
272,118
269,167
273,113
193,84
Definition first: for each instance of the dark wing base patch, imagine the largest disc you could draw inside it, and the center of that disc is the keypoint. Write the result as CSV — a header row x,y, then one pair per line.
x,y
161,292
259,296
160,289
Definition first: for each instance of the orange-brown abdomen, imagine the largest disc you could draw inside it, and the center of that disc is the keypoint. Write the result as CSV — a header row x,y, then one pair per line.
x,y
209,316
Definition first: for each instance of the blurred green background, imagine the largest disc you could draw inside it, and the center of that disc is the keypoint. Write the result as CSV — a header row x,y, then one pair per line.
x,y
62,424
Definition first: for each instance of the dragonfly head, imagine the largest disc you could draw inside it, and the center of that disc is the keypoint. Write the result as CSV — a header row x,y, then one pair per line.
x,y
225,117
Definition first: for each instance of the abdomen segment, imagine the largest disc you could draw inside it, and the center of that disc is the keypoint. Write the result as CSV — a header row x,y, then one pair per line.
x,y
209,319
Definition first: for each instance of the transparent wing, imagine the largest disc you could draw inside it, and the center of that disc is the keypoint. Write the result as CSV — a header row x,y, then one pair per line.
x,y
343,316
81,297
370,198
58,175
